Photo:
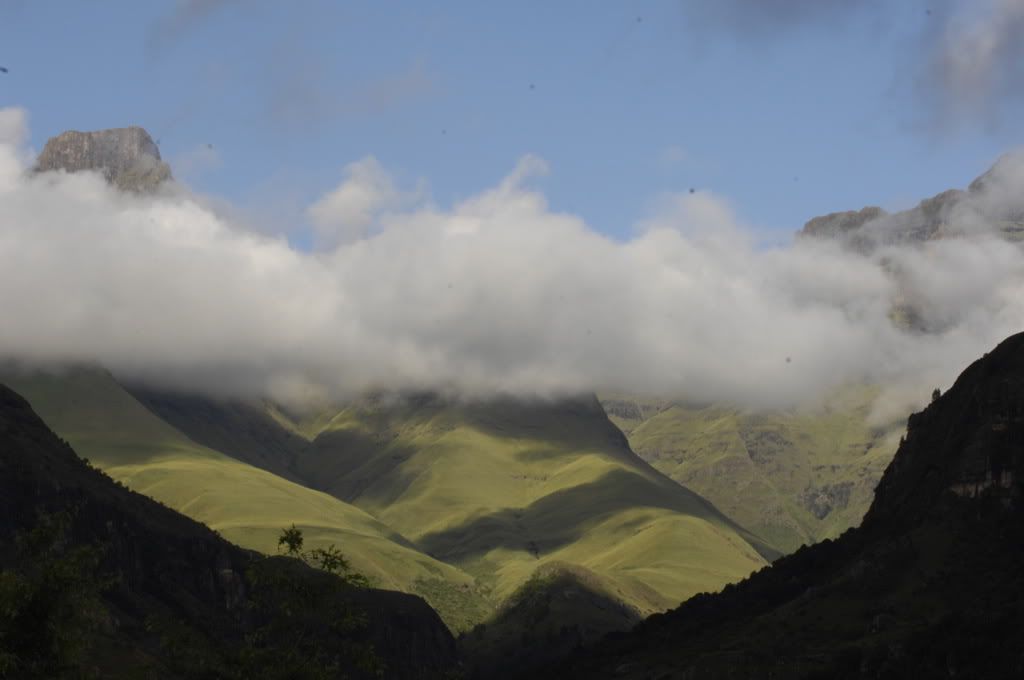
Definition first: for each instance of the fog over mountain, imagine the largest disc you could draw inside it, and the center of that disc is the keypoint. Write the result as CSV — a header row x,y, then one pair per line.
x,y
495,294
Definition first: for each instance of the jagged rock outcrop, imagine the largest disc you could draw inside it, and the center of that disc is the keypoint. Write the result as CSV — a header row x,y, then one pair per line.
x,y
992,203
127,157
930,585
839,223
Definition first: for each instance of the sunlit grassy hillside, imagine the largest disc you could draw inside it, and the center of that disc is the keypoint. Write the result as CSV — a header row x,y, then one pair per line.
x,y
463,503
502,488
792,477
245,504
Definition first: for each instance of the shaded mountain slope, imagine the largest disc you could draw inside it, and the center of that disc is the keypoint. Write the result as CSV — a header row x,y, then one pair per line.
x,y
931,585
102,581
793,477
245,431
245,504
560,608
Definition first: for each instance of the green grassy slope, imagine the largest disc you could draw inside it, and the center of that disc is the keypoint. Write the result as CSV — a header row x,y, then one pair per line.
x,y
97,581
238,428
461,503
792,477
247,505
505,487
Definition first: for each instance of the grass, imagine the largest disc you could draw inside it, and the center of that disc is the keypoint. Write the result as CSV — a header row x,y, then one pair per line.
x,y
248,506
461,503
503,488
792,477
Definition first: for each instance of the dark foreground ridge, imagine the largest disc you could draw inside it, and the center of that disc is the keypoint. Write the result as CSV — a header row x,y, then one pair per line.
x,y
99,581
127,157
930,586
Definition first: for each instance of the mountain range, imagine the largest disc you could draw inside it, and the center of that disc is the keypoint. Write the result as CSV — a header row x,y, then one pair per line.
x,y
930,585
532,526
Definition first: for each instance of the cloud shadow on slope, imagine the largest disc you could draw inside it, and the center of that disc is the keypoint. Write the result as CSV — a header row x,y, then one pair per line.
x,y
562,517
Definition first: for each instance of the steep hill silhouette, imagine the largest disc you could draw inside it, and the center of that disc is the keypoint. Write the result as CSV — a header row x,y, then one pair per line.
x,y
931,585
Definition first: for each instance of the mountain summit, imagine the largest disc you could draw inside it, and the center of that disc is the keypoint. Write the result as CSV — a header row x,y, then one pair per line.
x,y
127,157
991,204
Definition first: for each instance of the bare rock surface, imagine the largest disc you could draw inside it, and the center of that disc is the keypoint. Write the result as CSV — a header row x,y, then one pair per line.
x,y
128,157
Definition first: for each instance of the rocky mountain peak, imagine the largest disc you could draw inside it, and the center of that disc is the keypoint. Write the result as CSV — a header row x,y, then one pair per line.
x,y
838,223
991,203
127,157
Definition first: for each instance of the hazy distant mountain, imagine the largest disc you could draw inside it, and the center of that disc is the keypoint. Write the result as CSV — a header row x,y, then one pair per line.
x,y
992,202
793,476
99,581
127,157
796,476
931,585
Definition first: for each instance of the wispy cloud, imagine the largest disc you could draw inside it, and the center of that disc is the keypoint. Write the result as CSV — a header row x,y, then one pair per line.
x,y
195,162
302,92
975,59
186,15
964,65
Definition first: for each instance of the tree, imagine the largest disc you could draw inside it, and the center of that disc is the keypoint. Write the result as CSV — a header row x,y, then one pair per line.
x,y
328,559
50,601
936,393
291,538
306,625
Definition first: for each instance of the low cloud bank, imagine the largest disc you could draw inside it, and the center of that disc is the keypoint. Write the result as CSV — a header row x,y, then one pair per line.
x,y
496,294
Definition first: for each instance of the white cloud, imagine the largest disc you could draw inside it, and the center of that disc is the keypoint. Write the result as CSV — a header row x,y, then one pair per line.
x,y
495,294
349,211
13,136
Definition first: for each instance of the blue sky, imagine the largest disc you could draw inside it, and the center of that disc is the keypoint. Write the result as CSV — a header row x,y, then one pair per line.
x,y
787,114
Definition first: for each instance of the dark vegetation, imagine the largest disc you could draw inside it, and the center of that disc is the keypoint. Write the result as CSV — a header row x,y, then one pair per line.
x,y
98,581
931,585
557,611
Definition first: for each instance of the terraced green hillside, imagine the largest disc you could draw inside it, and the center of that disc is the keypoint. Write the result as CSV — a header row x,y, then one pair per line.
x,y
793,477
245,504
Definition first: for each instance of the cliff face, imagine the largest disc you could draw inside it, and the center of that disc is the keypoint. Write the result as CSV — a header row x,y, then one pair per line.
x,y
969,442
127,157
840,223
991,203
930,585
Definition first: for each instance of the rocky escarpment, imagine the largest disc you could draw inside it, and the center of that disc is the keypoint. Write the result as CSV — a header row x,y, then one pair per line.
x,y
840,223
969,442
127,157
991,204
930,585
